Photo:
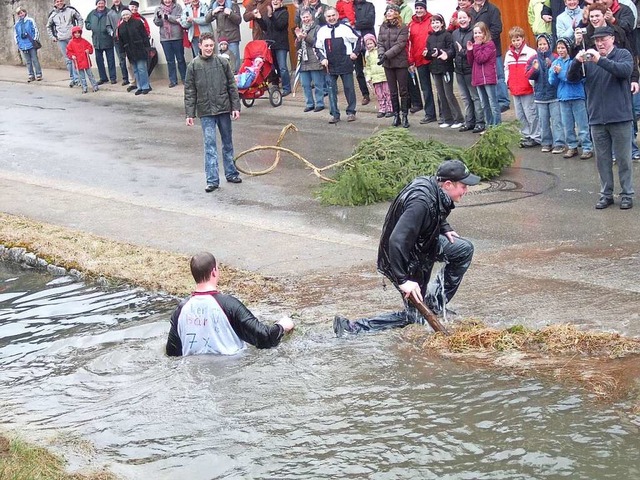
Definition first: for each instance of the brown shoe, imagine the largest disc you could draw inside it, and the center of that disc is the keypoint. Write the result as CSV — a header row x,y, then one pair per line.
x,y
366,100
570,153
351,117
558,149
586,155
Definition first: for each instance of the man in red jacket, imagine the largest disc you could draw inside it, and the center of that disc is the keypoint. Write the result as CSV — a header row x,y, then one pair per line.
x,y
419,30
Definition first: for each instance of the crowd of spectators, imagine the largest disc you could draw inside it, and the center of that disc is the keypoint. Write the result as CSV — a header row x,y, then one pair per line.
x,y
399,60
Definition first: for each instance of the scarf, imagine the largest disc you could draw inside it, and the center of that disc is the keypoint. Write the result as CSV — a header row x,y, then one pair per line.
x,y
303,51
166,26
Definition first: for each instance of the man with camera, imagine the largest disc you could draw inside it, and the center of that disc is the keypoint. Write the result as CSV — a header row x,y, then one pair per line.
x,y
608,68
228,22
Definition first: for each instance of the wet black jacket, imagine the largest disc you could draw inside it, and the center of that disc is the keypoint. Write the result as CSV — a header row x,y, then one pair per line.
x,y
409,240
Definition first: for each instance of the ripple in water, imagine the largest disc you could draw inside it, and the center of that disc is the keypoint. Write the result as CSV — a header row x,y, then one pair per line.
x,y
89,361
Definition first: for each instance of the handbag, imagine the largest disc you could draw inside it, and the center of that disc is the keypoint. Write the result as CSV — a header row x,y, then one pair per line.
x,y
36,43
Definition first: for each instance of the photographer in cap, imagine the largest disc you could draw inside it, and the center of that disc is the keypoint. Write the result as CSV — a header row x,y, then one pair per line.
x,y
415,235
608,68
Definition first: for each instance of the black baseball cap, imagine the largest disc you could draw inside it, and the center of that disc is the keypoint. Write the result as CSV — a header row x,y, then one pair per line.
x,y
456,171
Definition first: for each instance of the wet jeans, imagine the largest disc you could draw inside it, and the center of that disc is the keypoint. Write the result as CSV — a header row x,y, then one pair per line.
x,y
209,123
457,258
606,139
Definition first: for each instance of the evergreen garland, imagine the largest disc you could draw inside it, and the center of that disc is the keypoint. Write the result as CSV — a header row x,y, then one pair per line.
x,y
384,163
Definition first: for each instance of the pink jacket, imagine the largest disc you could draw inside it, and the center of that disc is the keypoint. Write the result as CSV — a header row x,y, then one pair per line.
x,y
483,64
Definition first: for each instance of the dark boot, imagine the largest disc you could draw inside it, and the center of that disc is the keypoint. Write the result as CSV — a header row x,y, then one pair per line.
x,y
395,104
405,113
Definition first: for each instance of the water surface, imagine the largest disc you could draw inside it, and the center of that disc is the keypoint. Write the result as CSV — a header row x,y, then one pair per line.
x,y
88,362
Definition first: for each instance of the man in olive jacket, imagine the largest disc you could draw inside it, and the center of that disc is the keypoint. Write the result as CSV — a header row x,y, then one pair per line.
x,y
210,90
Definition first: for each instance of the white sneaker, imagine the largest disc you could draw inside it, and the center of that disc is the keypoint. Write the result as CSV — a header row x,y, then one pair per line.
x,y
457,125
444,125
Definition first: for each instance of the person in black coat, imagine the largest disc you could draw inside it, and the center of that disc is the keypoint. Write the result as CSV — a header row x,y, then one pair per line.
x,y
276,28
415,235
135,43
365,14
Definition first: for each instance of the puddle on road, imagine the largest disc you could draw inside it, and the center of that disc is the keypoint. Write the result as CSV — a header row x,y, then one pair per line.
x,y
88,363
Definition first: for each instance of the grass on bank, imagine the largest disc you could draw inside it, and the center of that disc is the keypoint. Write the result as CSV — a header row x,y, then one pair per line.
x,y
22,461
143,266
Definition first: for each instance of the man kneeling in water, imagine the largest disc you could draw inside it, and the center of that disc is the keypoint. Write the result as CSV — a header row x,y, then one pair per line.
x,y
212,322
415,235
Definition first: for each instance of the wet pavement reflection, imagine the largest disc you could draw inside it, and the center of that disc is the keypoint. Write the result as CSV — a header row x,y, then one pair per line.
x,y
88,361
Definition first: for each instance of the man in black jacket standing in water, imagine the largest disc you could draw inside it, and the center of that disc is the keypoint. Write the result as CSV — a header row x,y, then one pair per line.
x,y
415,235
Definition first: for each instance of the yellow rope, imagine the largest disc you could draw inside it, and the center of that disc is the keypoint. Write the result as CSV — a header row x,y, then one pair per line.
x,y
316,170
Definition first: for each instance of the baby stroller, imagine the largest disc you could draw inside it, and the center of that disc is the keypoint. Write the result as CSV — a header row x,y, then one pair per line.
x,y
260,84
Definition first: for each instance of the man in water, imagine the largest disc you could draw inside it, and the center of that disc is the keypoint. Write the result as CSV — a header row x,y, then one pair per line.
x,y
415,235
212,322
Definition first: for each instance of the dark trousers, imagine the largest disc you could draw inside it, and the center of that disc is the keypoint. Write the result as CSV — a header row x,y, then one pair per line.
x,y
457,258
397,79
423,80
122,60
358,64
111,64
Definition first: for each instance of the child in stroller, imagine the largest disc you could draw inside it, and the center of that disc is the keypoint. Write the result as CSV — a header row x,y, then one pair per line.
x,y
247,75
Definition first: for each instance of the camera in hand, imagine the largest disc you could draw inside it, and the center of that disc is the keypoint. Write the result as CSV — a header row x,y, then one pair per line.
x,y
588,56
583,31
24,35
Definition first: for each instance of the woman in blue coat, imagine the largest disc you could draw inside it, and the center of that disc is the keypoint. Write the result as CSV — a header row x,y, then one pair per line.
x,y
26,32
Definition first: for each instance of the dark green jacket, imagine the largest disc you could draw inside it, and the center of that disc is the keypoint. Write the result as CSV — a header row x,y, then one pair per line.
x,y
210,87
102,27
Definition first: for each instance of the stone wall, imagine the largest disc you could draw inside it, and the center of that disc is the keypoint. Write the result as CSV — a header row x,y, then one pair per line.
x,y
49,54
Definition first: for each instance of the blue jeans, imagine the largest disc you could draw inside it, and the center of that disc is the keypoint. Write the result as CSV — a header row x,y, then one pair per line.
x,y
111,64
235,49
489,98
141,74
30,59
457,256
73,75
122,60
473,114
317,77
174,53
550,119
503,92
635,151
283,69
349,93
209,123
607,138
574,114
83,79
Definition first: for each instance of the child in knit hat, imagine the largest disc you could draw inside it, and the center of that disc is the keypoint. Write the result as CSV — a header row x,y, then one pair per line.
x,y
224,52
376,78
78,51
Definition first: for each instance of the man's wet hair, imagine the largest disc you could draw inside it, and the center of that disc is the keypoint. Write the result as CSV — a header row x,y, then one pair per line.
x,y
202,264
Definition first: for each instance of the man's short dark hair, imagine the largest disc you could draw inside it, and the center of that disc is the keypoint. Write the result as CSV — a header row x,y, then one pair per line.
x,y
202,264
207,36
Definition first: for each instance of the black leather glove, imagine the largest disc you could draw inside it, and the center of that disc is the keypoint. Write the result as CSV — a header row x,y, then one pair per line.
x,y
381,59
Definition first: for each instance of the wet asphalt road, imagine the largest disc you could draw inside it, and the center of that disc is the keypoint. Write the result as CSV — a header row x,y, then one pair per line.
x,y
127,168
